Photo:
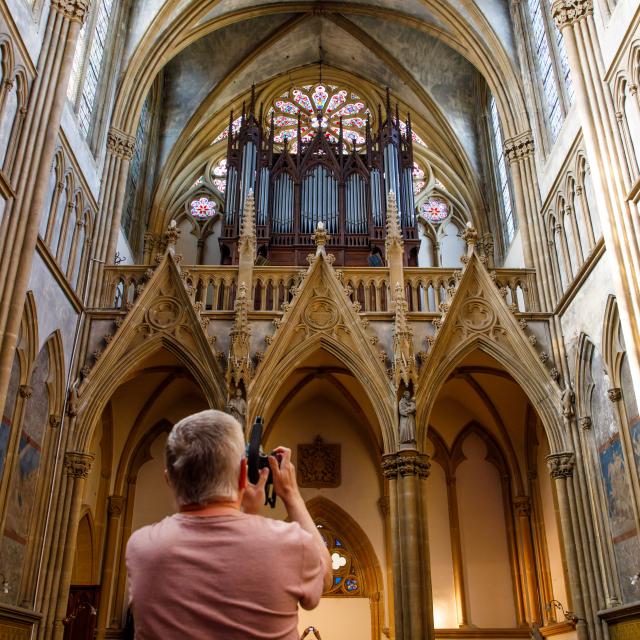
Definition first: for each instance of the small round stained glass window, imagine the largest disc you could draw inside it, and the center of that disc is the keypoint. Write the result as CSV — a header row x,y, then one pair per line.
x,y
203,208
435,210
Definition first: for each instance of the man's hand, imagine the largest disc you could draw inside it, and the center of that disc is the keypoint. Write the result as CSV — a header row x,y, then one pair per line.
x,y
253,496
285,482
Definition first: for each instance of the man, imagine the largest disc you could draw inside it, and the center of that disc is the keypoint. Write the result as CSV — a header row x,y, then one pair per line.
x,y
215,569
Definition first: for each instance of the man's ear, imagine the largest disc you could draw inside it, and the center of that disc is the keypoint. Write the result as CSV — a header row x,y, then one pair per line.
x,y
243,479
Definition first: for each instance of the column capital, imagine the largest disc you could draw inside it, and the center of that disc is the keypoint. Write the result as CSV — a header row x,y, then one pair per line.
x,y
75,10
561,464
120,144
78,464
568,12
522,506
405,463
116,505
519,147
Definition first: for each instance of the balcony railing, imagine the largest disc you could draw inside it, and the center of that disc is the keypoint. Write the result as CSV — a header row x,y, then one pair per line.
x,y
215,287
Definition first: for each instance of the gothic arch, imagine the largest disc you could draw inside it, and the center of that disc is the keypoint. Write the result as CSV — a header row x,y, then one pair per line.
x,y
356,539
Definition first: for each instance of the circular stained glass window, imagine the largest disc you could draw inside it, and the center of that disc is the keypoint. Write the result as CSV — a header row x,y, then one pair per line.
x,y
435,210
203,208
319,106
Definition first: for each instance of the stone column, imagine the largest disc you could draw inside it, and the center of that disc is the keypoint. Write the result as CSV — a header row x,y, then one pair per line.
x,y
413,608
561,466
120,148
519,152
522,506
620,225
36,149
77,466
115,509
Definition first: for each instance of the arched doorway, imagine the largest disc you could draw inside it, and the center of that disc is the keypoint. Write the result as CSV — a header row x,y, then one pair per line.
x,y
322,413
491,506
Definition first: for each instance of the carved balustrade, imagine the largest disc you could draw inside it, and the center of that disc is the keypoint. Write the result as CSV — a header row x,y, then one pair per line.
x,y
214,287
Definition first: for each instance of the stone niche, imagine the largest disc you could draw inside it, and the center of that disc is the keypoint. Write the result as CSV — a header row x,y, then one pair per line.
x,y
318,465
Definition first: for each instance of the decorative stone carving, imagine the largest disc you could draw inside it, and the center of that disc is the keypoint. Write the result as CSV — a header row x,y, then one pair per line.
x,y
403,367
239,366
120,144
171,236
75,10
319,464
561,464
470,235
394,233
25,391
522,506
567,12
237,407
116,506
405,463
615,394
321,314
476,315
247,240
55,421
383,505
585,423
77,464
164,314
407,411
568,400
320,238
519,147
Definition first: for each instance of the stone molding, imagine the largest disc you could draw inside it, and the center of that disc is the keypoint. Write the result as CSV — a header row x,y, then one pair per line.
x,y
120,144
78,464
75,10
567,12
405,463
519,147
116,505
561,464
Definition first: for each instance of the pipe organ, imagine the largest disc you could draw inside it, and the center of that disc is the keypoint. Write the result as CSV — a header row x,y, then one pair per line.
x,y
321,173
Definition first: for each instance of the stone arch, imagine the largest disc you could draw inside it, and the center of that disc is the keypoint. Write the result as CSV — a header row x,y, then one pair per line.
x,y
381,396
111,375
356,539
542,393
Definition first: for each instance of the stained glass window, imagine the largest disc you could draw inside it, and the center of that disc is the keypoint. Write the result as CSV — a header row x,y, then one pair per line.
x,y
86,71
544,34
418,179
203,208
219,175
319,106
346,579
224,134
504,195
414,136
435,210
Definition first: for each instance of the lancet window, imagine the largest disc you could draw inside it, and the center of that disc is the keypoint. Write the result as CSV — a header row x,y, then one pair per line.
x,y
89,62
345,579
551,65
501,174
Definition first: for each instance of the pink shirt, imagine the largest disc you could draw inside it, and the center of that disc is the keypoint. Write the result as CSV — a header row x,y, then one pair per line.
x,y
230,577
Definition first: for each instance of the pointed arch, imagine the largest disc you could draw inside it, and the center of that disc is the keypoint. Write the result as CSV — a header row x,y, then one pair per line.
x,y
612,351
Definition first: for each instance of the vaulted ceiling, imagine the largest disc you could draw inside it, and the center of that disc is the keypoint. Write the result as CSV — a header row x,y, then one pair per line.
x,y
437,57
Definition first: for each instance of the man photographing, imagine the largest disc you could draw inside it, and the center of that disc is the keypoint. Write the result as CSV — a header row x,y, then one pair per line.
x,y
216,569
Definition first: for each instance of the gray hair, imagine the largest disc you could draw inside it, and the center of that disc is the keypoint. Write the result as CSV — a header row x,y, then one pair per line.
x,y
202,456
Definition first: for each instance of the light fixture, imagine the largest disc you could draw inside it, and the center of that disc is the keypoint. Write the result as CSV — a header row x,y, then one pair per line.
x,y
568,615
634,580
4,583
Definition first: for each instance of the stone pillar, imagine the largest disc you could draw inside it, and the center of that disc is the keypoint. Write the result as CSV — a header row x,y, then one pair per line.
x,y
32,165
531,589
120,148
406,472
77,466
115,509
605,153
519,152
561,466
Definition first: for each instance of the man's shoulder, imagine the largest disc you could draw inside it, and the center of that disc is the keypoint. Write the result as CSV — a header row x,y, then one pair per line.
x,y
150,533
286,532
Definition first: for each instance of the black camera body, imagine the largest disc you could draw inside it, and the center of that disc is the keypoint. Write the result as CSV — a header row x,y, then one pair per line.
x,y
257,460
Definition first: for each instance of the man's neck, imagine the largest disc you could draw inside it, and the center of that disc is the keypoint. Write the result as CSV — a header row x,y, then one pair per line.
x,y
219,507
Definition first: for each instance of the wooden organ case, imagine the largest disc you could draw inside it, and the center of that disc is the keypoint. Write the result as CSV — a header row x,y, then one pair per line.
x,y
319,177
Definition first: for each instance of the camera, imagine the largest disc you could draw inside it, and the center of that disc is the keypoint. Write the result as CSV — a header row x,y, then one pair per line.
x,y
257,460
